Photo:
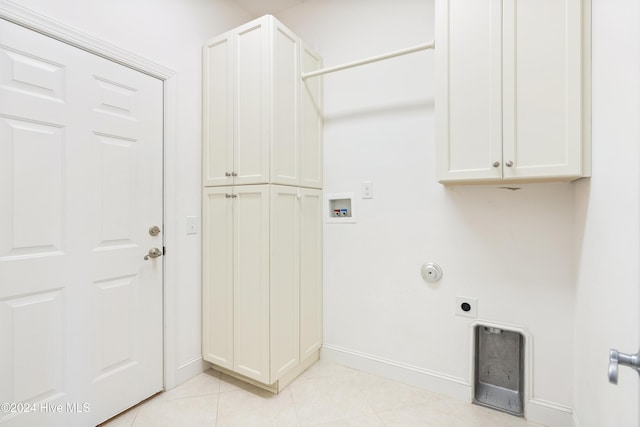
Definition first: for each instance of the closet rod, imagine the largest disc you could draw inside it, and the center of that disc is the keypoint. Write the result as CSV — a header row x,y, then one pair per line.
x,y
401,52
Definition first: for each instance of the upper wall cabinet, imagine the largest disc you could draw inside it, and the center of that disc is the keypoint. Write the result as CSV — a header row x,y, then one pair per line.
x,y
262,123
512,100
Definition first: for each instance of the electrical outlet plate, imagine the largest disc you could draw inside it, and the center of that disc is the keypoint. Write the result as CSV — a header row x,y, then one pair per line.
x,y
473,307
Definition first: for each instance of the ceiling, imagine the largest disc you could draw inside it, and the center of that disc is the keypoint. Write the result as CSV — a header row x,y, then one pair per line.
x,y
263,7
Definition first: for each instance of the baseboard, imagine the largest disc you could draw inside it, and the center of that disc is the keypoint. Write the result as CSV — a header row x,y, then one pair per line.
x,y
190,369
549,413
412,375
576,420
537,411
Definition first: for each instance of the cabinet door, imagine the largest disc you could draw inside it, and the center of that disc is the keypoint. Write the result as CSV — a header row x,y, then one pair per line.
x,y
251,124
285,279
285,138
310,121
310,272
468,94
217,111
542,88
251,281
217,276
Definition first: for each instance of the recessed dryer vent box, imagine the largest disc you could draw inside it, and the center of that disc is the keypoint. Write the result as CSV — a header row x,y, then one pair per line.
x,y
499,369
340,208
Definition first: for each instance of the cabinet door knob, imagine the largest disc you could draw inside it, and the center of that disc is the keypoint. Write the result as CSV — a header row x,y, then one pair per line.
x,y
509,163
227,174
228,196
234,174
496,164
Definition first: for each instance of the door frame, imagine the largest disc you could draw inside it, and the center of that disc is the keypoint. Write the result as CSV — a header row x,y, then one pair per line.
x,y
35,21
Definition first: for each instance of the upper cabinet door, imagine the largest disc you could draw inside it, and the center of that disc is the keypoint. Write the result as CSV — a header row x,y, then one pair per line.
x,y
311,122
469,89
217,117
285,146
251,125
542,75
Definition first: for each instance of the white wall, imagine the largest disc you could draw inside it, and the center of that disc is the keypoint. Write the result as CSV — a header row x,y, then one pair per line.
x,y
607,223
171,33
513,250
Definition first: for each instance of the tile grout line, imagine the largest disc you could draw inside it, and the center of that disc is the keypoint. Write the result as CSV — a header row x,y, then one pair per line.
x,y
218,399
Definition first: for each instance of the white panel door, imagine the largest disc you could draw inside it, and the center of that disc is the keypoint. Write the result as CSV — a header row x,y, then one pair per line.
x,y
217,111
311,123
251,108
217,276
469,89
310,272
285,139
251,281
284,302
542,104
80,186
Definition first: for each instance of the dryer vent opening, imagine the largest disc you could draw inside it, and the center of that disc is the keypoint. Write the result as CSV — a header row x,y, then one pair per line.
x,y
499,369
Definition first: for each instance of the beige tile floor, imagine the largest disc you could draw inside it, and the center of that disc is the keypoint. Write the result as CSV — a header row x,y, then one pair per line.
x,y
326,395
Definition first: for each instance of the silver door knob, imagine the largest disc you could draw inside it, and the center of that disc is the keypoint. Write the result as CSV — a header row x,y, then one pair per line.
x,y
153,253
496,164
509,163
616,358
227,174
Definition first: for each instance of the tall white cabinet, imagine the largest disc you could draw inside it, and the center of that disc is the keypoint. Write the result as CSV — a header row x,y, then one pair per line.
x,y
512,97
262,204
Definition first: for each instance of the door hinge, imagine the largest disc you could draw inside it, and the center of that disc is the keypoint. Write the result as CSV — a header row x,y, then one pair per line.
x,y
164,250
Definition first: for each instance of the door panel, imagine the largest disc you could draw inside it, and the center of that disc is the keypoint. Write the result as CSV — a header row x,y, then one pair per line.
x,y
80,185
251,282
251,130
27,148
469,110
218,107
217,276
285,143
284,301
310,272
542,88
311,128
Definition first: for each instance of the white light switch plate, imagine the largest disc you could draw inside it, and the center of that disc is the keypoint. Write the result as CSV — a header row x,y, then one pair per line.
x,y
192,225
367,190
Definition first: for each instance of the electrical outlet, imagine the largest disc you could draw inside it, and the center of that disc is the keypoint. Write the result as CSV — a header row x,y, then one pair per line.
x,y
466,307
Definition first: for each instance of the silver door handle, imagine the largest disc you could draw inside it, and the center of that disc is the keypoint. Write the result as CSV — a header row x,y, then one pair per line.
x,y
616,358
153,253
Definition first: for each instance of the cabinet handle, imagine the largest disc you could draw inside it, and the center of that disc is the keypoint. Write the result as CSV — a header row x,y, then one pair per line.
x,y
228,196
234,174
227,174
496,164
509,163
233,196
